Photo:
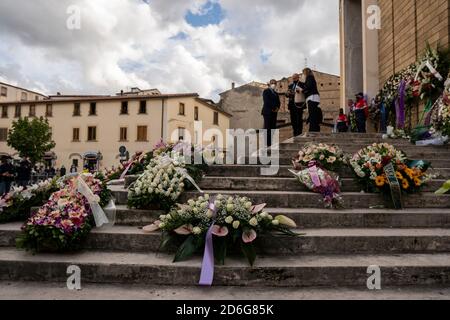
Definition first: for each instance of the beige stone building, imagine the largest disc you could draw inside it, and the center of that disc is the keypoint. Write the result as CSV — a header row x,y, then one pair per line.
x,y
371,55
91,129
244,103
13,93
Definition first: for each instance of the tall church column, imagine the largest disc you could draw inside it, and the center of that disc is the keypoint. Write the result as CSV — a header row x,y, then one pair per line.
x,y
351,42
370,26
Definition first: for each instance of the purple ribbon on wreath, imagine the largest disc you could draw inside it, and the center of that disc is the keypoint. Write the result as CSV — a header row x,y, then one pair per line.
x,y
207,273
400,105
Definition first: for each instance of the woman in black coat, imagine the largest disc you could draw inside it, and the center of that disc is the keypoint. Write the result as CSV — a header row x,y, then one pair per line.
x,y
313,100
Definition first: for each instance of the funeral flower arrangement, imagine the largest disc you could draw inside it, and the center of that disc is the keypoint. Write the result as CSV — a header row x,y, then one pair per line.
x,y
135,165
66,219
323,182
370,162
327,157
232,222
442,122
316,165
164,180
17,204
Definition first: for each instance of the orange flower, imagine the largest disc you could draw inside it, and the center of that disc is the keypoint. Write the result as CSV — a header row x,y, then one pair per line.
x,y
409,173
417,182
380,181
399,175
405,184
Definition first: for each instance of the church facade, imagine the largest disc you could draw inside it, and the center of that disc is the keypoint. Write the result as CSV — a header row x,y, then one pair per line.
x,y
381,37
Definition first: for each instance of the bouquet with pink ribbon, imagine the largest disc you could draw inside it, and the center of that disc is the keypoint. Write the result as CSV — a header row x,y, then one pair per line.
x,y
217,225
323,182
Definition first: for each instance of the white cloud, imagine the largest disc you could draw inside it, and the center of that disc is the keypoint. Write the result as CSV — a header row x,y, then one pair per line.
x,y
124,43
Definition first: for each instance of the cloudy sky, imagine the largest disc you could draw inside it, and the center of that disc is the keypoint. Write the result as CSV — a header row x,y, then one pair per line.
x,y
174,45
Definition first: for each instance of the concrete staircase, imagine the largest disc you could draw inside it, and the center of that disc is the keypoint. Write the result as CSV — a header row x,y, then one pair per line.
x,y
412,247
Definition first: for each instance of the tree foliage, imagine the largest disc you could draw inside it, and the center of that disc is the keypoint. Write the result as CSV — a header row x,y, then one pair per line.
x,y
31,138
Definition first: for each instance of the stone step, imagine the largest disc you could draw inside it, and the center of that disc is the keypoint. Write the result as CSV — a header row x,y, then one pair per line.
x,y
322,218
315,241
286,184
411,153
286,159
338,135
277,271
291,199
23,290
345,144
279,183
283,172
283,199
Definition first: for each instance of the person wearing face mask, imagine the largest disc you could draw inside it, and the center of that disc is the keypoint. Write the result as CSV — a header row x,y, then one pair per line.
x,y
271,106
296,105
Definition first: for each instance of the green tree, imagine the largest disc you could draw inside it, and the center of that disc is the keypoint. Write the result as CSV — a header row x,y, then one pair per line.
x,y
31,139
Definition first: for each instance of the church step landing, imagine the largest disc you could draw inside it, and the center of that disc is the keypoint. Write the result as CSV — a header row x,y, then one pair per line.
x,y
287,184
419,270
315,241
322,218
283,172
290,199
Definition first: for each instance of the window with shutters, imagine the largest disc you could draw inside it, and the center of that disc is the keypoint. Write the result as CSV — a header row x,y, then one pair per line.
x,y
49,110
93,109
92,133
142,133
3,134
123,134
76,109
4,111
32,110
124,108
18,111
143,107
182,109
76,135
196,117
216,118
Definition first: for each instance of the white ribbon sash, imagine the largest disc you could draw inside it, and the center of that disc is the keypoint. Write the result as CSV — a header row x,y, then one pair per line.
x,y
99,215
432,70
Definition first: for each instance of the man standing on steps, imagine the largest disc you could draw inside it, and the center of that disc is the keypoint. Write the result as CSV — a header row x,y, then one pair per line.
x,y
271,106
297,105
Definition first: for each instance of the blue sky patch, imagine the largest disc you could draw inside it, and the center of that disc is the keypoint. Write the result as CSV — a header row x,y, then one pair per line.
x,y
180,36
212,13
265,56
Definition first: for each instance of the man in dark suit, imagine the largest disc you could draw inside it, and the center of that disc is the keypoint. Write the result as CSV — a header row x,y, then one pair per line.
x,y
270,110
297,105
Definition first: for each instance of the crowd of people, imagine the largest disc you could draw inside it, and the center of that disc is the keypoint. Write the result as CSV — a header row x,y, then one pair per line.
x,y
303,95
23,173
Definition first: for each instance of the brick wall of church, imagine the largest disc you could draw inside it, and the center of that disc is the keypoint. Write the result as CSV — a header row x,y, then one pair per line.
x,y
406,27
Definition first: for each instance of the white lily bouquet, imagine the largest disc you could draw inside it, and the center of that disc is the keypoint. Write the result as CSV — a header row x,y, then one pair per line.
x,y
161,184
